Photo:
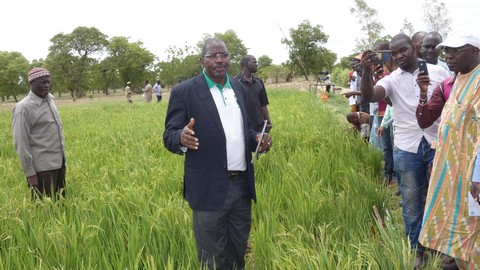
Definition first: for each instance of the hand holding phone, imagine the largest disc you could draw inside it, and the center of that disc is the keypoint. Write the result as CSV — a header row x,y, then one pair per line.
x,y
422,67
382,57
423,82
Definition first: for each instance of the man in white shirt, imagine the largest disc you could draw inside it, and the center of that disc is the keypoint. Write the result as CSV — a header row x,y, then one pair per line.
x,y
157,88
412,153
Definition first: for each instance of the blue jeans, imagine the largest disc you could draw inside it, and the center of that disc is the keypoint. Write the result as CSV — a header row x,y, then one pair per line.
x,y
412,173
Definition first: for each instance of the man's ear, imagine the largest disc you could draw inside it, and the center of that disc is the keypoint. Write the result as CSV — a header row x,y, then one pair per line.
x,y
201,62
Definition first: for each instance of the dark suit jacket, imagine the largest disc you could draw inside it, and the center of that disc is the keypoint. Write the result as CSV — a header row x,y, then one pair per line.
x,y
205,169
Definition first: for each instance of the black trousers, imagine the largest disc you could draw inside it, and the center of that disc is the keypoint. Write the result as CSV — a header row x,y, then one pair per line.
x,y
159,98
49,183
222,235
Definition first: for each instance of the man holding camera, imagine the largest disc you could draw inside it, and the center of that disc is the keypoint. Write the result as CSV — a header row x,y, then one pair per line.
x,y
412,154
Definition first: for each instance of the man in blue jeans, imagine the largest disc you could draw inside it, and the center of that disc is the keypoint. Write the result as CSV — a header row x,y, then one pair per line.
x,y
412,152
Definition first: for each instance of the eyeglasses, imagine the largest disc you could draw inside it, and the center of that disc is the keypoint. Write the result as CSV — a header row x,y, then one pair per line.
x,y
215,55
455,51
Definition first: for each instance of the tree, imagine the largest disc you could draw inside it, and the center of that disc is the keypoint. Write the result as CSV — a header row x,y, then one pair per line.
x,y
235,45
305,51
182,63
436,17
407,28
370,25
71,57
274,71
13,74
126,61
264,61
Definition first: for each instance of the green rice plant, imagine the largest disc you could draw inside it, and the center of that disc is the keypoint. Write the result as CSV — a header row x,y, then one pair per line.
x,y
124,209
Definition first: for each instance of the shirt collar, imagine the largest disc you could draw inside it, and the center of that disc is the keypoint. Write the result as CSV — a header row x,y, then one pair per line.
x,y
211,83
242,78
38,100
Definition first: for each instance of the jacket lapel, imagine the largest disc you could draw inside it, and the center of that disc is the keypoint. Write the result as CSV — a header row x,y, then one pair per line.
x,y
206,99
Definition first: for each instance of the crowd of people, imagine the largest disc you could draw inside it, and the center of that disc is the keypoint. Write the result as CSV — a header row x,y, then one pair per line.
x,y
428,125
147,91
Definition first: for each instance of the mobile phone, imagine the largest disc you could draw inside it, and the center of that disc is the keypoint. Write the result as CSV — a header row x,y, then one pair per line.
x,y
422,67
383,56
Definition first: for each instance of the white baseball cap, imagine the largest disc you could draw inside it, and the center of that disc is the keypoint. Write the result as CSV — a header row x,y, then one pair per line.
x,y
456,40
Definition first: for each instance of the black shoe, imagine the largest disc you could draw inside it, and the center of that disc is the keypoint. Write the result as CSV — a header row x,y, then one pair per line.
x,y
448,263
419,260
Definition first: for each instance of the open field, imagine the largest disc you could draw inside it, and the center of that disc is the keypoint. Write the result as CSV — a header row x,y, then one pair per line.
x,y
316,191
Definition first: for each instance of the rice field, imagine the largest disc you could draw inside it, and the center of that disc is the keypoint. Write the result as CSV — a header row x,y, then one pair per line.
x,y
124,209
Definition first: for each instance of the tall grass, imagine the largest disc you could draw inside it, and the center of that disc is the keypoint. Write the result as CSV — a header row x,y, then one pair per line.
x,y
124,207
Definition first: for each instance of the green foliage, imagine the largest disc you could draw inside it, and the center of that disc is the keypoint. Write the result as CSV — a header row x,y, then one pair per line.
x,y
235,45
340,76
126,61
71,57
306,54
182,64
13,74
369,23
275,72
346,62
264,61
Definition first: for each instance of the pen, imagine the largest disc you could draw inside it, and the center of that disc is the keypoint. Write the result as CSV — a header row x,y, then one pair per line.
x,y
255,155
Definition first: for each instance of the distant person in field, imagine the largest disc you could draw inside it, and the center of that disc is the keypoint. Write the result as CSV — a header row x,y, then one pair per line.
x,y
412,153
417,40
326,80
157,88
128,92
352,77
360,123
429,51
207,121
38,137
257,105
147,91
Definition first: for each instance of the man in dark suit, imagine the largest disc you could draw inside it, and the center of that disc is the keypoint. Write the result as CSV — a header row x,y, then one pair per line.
x,y
207,121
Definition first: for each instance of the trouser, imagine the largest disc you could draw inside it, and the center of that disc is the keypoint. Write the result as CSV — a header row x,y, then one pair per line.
x,y
221,236
159,98
49,183
412,174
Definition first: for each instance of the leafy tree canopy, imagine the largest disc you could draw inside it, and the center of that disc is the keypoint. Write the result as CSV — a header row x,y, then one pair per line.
x,y
306,53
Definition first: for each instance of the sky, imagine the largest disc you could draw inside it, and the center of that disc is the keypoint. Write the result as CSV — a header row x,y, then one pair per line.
x,y
27,26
